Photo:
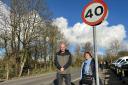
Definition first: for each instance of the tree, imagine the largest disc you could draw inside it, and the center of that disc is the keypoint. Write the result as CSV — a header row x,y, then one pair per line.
x,y
24,36
28,22
113,50
88,47
122,53
78,55
4,36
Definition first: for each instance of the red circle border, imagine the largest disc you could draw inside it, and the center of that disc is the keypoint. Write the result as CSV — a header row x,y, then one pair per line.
x,y
98,21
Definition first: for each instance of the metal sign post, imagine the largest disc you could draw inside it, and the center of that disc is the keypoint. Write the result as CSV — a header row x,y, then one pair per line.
x,y
95,54
93,14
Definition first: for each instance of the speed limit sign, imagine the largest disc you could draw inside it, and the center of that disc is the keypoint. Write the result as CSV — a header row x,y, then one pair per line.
x,y
94,13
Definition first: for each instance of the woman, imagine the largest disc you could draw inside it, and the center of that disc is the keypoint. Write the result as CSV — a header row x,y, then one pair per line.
x,y
87,70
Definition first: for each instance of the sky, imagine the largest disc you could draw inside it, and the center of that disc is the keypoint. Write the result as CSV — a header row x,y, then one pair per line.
x,y
67,16
69,11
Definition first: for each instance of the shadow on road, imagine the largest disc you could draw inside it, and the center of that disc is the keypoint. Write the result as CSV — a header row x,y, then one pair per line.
x,y
101,83
111,78
2,80
55,82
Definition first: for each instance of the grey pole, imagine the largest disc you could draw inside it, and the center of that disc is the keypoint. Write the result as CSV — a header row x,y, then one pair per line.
x,y
95,54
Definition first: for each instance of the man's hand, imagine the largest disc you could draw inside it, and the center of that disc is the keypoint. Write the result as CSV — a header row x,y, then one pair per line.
x,y
62,69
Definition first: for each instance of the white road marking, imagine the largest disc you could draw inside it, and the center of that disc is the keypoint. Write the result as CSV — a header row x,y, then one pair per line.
x,y
76,79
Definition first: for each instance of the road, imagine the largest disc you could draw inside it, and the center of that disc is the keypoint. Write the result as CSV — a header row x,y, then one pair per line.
x,y
106,77
110,78
46,79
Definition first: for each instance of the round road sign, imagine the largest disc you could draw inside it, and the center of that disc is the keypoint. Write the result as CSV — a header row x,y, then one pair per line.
x,y
94,13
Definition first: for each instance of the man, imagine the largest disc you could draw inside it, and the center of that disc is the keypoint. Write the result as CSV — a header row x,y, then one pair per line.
x,y
63,61
88,72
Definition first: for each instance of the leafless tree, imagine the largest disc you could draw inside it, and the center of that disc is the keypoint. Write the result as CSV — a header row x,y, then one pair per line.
x,y
24,36
87,47
113,50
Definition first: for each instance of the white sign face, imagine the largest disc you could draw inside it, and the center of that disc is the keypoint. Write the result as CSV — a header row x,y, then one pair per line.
x,y
94,13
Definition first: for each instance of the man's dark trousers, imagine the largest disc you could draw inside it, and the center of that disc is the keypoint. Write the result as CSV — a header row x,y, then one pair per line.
x,y
66,77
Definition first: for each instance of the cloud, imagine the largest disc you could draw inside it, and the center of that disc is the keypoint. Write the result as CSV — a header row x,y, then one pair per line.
x,y
4,8
4,16
81,33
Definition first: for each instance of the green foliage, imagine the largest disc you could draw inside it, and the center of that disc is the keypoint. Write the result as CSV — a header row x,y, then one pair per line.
x,y
123,53
78,61
2,72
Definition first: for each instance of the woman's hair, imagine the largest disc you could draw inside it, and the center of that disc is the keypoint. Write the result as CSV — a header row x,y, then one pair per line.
x,y
88,53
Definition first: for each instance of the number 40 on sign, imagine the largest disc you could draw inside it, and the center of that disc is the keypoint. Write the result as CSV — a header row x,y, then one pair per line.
x,y
94,13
